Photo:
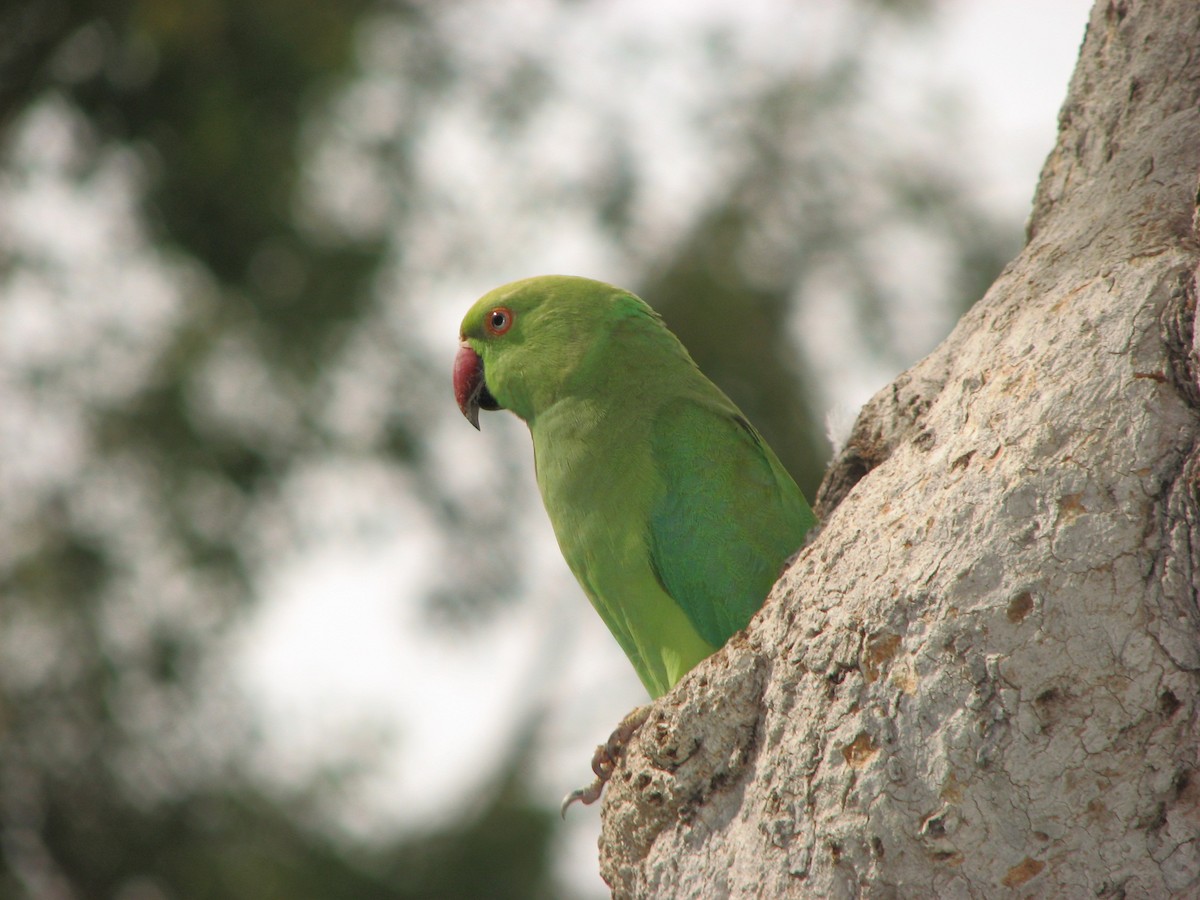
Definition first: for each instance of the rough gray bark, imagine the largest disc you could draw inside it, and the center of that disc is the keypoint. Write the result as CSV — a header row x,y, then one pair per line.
x,y
981,679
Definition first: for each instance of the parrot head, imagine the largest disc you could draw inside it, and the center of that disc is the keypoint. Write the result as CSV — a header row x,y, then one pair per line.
x,y
521,344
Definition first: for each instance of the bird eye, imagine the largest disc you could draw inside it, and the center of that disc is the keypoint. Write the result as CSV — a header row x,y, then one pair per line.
x,y
499,320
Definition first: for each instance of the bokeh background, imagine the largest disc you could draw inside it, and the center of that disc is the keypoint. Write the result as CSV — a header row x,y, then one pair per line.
x,y
275,622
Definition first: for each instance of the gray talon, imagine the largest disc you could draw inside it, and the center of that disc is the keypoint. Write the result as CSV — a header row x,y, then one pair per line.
x,y
585,795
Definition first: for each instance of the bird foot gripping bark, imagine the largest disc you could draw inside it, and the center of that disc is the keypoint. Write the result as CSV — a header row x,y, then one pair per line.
x,y
606,757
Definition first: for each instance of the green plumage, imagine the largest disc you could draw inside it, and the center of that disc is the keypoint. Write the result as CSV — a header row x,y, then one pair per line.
x,y
671,510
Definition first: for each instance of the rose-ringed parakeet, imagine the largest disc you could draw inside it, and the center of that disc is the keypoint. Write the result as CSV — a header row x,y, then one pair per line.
x,y
669,507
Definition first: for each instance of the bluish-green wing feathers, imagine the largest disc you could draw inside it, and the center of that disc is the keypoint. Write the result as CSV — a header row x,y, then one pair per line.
x,y
729,518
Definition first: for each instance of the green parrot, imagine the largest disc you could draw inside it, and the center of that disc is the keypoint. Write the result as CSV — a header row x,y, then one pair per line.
x,y
669,507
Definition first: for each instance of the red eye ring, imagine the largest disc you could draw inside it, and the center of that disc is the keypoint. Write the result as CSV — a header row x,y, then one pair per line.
x,y
499,320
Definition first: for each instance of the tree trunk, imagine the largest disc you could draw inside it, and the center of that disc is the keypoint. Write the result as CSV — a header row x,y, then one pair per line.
x,y
981,678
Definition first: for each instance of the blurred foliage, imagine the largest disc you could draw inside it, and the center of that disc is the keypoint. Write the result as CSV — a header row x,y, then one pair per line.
x,y
236,843
122,747
213,97
731,287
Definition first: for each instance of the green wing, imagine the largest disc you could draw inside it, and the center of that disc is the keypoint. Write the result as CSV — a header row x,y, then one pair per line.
x,y
728,520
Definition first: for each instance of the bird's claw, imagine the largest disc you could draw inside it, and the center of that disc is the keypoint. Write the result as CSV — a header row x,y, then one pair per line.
x,y
606,758
604,763
585,795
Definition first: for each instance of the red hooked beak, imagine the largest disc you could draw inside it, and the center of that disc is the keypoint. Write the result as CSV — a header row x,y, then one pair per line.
x,y
470,388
